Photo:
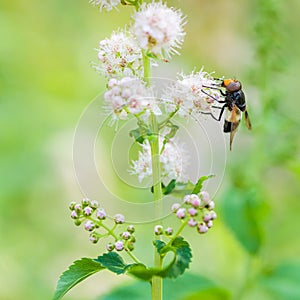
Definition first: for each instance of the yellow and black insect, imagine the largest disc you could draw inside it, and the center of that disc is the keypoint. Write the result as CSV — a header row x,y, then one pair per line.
x,y
234,105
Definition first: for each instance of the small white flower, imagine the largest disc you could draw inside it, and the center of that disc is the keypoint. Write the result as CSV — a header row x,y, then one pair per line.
x,y
129,96
119,55
126,235
175,207
158,229
119,245
89,225
186,93
173,159
107,4
101,214
143,166
119,219
195,200
158,28
205,197
87,211
181,213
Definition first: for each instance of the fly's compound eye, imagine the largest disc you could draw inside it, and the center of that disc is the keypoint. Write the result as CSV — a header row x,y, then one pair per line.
x,y
233,86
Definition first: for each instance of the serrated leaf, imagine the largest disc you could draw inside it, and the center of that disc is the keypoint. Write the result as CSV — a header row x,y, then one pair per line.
x,y
113,262
180,262
283,281
141,271
159,245
78,271
182,257
199,184
240,212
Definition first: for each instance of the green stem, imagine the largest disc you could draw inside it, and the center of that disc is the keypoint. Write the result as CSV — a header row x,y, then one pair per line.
x,y
110,231
171,115
156,171
156,283
147,69
177,233
157,192
132,256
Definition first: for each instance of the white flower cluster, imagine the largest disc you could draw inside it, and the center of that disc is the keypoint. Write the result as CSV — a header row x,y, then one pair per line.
x,y
107,4
120,55
129,96
158,28
173,159
186,94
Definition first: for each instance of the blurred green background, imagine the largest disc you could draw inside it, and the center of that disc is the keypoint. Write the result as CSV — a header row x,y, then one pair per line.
x,y
45,84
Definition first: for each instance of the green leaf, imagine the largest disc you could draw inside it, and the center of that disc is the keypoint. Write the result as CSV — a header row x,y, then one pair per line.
x,y
151,55
187,287
136,134
240,212
182,189
78,271
166,189
113,262
199,184
136,291
283,281
182,257
159,245
180,262
170,187
141,271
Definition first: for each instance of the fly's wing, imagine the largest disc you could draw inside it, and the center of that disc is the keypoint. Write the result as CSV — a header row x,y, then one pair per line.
x,y
235,119
247,120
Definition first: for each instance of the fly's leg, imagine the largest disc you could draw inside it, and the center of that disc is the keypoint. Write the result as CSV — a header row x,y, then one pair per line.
x,y
220,115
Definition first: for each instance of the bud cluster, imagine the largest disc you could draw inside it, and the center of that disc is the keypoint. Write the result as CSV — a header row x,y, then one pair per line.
x,y
125,240
92,217
197,211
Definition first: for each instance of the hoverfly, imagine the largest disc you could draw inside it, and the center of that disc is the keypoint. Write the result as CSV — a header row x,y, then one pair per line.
x,y
234,105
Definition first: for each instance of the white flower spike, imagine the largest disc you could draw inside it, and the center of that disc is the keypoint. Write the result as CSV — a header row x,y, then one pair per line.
x,y
120,55
174,162
158,28
186,94
129,96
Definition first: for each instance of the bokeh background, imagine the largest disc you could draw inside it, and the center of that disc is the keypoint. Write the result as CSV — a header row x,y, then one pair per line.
x,y
46,82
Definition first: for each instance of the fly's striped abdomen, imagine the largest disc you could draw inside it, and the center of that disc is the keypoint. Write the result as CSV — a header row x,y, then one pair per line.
x,y
232,119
